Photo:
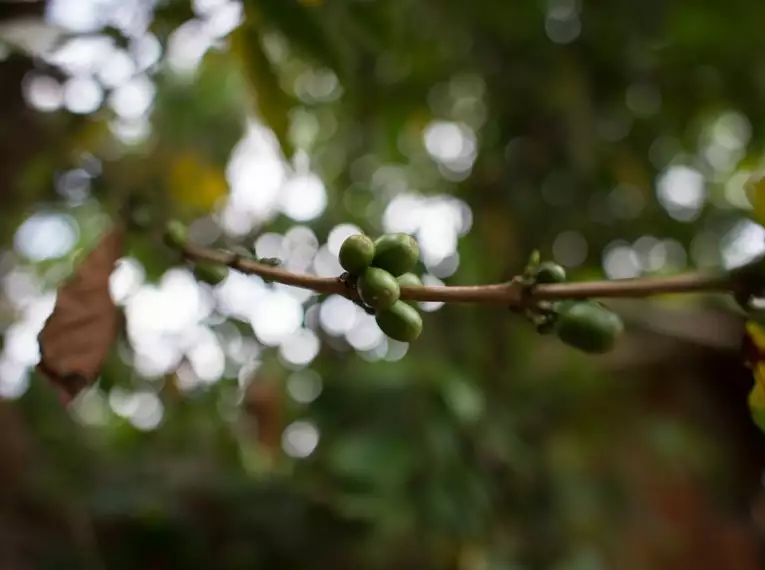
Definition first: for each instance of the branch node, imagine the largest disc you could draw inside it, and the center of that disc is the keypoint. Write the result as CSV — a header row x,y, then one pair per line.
x,y
352,294
526,297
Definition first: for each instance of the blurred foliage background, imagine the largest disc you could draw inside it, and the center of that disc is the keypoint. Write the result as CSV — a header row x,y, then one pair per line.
x,y
259,426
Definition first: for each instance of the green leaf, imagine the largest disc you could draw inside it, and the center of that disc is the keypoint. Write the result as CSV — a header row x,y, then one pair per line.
x,y
155,258
383,461
464,399
301,26
273,104
168,16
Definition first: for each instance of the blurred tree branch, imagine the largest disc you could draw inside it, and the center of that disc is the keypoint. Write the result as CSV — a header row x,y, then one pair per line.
x,y
513,293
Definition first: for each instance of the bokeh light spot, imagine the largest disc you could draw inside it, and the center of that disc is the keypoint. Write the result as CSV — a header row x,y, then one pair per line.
x,y
304,198
682,192
620,261
570,249
46,236
82,95
300,348
300,439
304,386
43,92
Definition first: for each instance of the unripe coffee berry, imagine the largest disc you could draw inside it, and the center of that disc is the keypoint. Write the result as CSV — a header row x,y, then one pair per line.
x,y
356,254
378,288
396,253
588,326
400,322
550,272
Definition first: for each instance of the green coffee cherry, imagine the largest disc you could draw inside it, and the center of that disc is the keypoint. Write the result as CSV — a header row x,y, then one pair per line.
x,y
176,234
588,326
400,322
378,288
549,272
210,273
409,280
396,253
356,254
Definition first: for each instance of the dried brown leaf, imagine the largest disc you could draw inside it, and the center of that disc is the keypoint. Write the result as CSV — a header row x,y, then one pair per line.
x,y
77,337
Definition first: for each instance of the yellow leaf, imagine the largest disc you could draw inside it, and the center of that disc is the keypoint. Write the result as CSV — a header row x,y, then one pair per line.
x,y
756,333
755,193
754,350
759,378
195,183
757,404
753,347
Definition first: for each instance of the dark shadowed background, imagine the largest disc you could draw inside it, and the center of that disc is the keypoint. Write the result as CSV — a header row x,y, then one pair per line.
x,y
259,426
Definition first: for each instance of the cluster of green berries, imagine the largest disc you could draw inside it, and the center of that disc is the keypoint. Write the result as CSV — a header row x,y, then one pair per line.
x,y
380,268
586,325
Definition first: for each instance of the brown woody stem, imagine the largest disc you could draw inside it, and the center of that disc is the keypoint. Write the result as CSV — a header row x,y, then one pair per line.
x,y
510,294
